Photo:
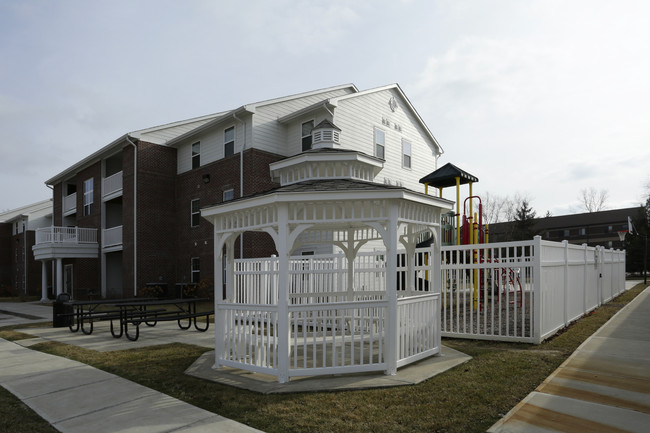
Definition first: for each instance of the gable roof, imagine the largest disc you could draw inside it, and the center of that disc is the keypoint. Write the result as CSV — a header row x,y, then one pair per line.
x,y
333,102
251,109
41,206
446,176
156,134
396,87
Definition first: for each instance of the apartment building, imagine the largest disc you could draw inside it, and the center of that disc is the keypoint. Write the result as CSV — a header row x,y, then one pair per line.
x,y
591,228
20,275
128,216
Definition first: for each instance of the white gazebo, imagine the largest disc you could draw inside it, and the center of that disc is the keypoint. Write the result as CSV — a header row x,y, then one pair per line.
x,y
370,305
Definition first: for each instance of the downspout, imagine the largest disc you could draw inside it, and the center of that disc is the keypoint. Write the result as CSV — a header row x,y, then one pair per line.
x,y
24,254
241,179
135,215
44,292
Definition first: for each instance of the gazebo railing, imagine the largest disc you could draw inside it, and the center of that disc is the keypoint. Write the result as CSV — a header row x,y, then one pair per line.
x,y
250,337
419,329
331,330
343,337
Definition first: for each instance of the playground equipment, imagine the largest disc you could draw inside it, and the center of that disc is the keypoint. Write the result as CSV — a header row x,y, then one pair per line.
x,y
469,231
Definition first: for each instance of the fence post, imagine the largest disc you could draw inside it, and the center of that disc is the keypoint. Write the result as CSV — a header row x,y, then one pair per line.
x,y
565,243
599,266
584,282
536,320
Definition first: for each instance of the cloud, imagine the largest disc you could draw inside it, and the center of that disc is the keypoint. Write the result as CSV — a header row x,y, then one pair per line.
x,y
296,28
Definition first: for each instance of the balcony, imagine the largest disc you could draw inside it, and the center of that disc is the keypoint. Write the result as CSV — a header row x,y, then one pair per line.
x,y
112,186
65,242
112,238
70,204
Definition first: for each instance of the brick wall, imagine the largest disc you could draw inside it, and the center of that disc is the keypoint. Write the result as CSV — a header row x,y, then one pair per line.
x,y
127,221
156,206
223,175
34,268
57,204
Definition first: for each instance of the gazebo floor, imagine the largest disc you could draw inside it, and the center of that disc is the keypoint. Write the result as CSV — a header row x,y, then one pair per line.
x,y
268,384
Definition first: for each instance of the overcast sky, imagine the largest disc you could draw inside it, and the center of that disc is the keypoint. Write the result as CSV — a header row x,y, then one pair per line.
x,y
538,98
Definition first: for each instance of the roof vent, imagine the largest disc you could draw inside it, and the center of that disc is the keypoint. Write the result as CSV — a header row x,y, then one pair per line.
x,y
325,135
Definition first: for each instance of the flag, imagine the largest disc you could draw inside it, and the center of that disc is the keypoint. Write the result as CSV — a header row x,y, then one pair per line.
x,y
630,227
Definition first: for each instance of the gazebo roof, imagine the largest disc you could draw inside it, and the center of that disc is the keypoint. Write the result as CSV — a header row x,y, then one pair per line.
x,y
446,176
337,186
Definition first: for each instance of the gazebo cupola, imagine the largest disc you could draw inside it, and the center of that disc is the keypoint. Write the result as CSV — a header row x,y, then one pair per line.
x,y
325,135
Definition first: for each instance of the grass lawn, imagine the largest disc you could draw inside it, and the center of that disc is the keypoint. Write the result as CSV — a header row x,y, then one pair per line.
x,y
468,398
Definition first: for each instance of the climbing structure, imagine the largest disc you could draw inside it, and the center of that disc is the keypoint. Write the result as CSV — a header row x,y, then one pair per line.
x,y
471,229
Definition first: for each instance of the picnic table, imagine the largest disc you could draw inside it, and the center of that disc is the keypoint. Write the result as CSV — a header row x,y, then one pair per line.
x,y
137,312
87,312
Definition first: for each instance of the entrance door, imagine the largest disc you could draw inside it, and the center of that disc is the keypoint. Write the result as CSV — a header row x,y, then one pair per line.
x,y
67,280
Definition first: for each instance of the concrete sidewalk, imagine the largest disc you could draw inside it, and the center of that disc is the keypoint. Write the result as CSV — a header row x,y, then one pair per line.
x,y
77,398
604,386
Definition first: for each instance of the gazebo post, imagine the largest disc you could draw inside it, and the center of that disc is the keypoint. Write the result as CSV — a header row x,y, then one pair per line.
x,y
282,245
219,317
350,254
392,335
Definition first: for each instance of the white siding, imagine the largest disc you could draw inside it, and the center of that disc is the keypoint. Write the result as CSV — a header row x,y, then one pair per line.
x,y
359,116
212,144
272,136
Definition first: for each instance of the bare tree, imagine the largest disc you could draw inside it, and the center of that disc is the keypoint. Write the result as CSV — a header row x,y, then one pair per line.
x,y
593,200
493,208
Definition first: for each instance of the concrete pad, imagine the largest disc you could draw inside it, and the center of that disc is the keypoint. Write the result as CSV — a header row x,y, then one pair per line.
x,y
568,414
634,328
149,413
217,423
54,381
76,398
267,384
88,398
637,398
101,339
604,386
616,347
29,367
611,364
17,313
28,342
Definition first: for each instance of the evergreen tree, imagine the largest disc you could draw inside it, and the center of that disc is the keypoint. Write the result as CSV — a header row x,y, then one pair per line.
x,y
524,222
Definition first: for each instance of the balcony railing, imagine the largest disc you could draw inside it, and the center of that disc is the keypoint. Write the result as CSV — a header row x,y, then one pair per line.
x,y
70,203
112,237
66,235
112,184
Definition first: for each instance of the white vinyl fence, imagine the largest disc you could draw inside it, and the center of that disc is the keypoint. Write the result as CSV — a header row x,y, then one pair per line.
x,y
524,291
340,322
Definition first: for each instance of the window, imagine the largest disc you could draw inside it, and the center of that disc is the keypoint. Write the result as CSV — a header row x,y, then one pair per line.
x,y
196,155
229,142
88,196
228,194
195,270
195,213
305,134
406,154
380,143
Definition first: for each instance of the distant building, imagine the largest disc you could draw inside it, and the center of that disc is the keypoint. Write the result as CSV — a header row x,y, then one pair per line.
x,y
591,228
20,274
129,215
